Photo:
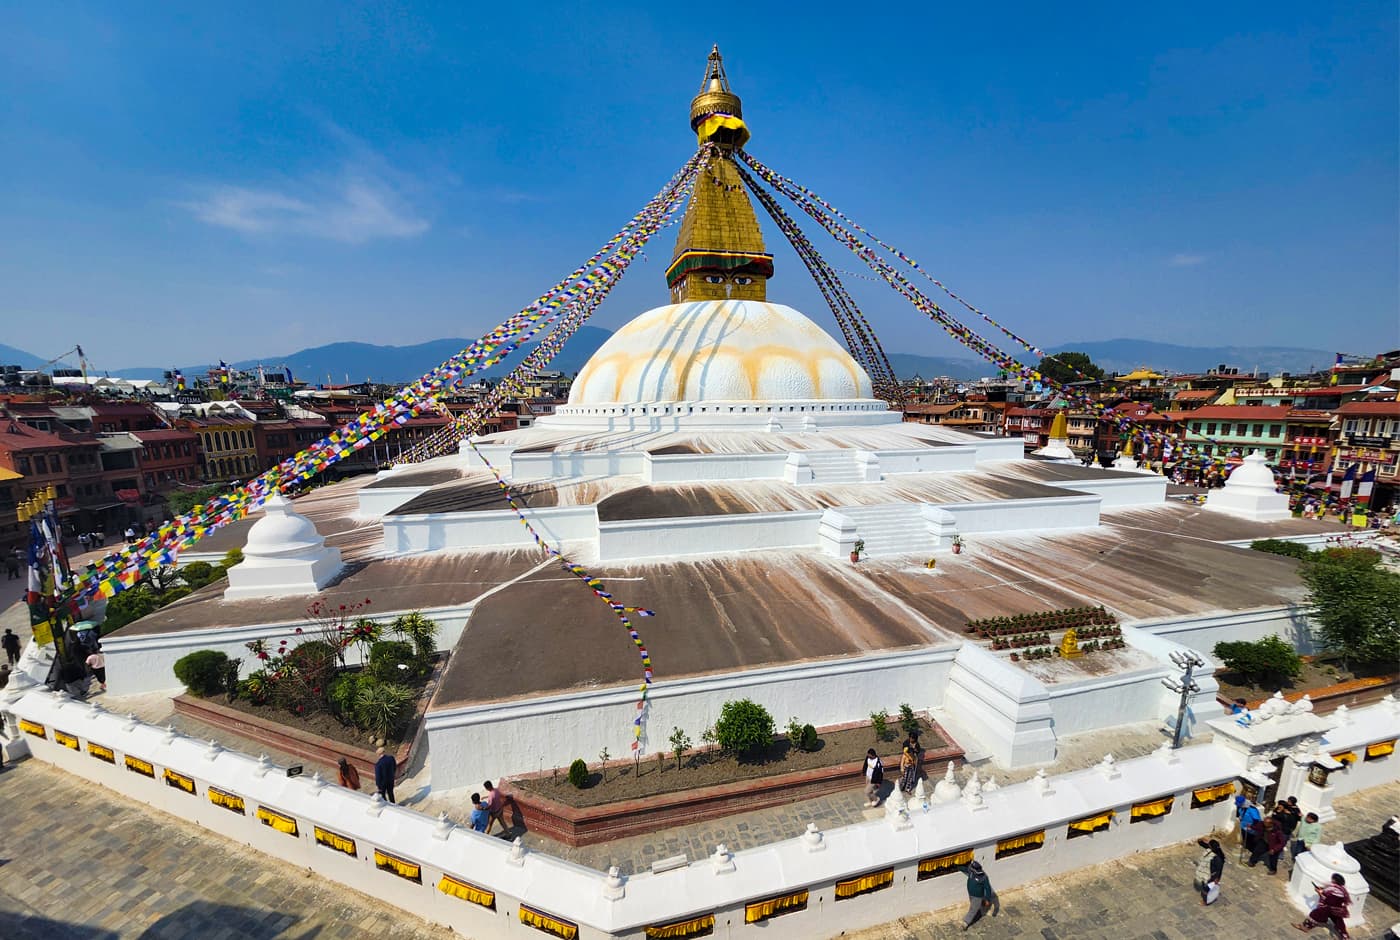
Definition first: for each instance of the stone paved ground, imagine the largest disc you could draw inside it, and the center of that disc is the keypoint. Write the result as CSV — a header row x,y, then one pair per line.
x,y
76,864
79,865
1149,897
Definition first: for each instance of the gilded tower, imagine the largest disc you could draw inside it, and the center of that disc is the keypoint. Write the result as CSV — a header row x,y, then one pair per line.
x,y
719,249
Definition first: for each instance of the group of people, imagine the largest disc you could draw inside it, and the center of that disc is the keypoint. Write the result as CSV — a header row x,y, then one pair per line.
x,y
1265,836
485,812
910,760
87,541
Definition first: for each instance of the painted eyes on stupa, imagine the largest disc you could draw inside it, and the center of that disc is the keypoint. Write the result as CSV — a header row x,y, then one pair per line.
x,y
714,278
742,280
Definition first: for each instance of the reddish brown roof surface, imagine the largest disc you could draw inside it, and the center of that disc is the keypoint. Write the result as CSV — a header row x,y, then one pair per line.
x,y
1240,413
1378,408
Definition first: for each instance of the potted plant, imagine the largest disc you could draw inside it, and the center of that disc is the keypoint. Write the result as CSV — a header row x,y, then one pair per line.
x,y
857,549
957,544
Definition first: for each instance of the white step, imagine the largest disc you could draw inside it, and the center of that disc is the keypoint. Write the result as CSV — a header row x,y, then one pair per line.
x,y
891,530
834,467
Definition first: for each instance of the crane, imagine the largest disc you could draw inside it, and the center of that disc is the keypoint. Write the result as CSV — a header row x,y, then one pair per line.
x,y
82,361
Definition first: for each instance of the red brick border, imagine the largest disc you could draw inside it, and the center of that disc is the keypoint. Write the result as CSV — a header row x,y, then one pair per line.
x,y
576,826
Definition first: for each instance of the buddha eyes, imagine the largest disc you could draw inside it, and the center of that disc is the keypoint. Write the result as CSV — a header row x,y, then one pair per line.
x,y
741,280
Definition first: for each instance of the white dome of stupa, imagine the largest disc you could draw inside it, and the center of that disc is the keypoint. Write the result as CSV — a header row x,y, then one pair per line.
x,y
281,532
720,351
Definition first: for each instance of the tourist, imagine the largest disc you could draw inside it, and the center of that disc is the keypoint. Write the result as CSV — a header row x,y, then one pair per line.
x,y
101,538
98,664
908,769
12,564
4,675
130,535
1309,831
1269,842
349,776
480,816
11,644
874,776
980,895
1333,905
1249,816
384,769
1209,867
495,807
1287,815
84,541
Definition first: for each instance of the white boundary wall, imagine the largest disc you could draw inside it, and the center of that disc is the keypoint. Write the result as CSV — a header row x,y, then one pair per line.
x,y
491,528
621,907
473,742
707,535
1201,633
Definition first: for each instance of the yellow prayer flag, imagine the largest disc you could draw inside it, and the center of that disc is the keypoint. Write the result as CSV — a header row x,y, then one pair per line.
x,y
43,633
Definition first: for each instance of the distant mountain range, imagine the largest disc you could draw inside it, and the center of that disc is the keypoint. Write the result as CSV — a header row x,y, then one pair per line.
x,y
337,363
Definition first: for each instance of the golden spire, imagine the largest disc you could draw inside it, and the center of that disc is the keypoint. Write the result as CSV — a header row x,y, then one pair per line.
x,y
1059,427
1127,447
719,248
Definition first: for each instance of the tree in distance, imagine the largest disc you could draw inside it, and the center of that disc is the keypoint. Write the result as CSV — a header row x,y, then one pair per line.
x,y
1061,367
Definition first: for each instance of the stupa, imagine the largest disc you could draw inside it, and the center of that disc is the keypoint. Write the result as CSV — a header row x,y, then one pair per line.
x,y
284,556
1058,446
1250,493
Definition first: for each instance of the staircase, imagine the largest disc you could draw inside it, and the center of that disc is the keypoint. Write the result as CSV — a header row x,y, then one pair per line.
x,y
833,466
891,530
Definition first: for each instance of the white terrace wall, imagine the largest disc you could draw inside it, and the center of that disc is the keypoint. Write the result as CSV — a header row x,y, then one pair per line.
x,y
494,528
552,465
1013,515
471,743
707,535
942,459
1146,489
1359,729
146,662
371,841
682,468
1201,633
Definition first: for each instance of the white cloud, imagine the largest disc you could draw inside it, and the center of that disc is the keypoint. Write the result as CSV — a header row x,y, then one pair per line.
x,y
1184,260
355,207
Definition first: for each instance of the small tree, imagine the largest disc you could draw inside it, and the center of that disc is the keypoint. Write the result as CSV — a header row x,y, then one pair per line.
x,y
1269,660
744,727
794,733
421,632
880,725
603,758
809,738
680,743
908,721
382,707
1355,604
578,774
1069,367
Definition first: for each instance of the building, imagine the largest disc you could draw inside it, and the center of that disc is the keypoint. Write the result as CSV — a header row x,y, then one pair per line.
x,y
170,459
1368,438
1235,430
45,459
226,445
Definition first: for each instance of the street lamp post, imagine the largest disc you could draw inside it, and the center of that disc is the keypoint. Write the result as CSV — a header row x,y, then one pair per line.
x,y
1187,661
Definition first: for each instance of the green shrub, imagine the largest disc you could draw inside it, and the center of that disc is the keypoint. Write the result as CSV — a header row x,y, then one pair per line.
x,y
421,632
314,663
385,657
130,605
680,743
1281,547
232,557
199,573
1269,660
255,688
809,738
879,725
341,693
381,708
578,774
794,733
744,726
229,680
202,671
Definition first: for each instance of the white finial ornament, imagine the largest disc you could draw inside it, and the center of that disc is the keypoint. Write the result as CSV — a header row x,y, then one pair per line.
x,y
1042,783
614,886
1343,715
444,828
517,853
812,838
947,789
722,860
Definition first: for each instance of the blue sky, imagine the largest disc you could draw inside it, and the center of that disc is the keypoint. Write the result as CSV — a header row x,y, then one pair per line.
x,y
196,181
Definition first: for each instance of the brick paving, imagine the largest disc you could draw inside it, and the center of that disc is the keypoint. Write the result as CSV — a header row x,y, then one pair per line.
x,y
82,864
79,864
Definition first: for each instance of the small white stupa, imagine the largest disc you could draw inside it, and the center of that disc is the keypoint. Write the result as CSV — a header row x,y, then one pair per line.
x,y
1058,448
1125,460
1249,493
284,557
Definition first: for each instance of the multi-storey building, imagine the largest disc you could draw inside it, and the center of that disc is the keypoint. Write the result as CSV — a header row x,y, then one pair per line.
x,y
1232,431
169,459
1368,438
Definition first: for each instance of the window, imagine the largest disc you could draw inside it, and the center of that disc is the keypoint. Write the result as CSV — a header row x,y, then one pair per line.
x,y
1274,430
22,465
1259,430
41,464
1210,429
1241,430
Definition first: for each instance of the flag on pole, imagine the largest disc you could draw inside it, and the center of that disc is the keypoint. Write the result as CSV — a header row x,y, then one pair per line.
x,y
1335,366
1348,481
1365,485
34,588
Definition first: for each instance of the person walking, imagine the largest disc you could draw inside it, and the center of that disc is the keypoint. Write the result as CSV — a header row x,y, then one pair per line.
x,y
97,662
1309,832
980,895
1333,905
12,565
10,642
1209,867
1248,817
384,769
495,804
130,535
100,537
480,817
349,776
874,777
